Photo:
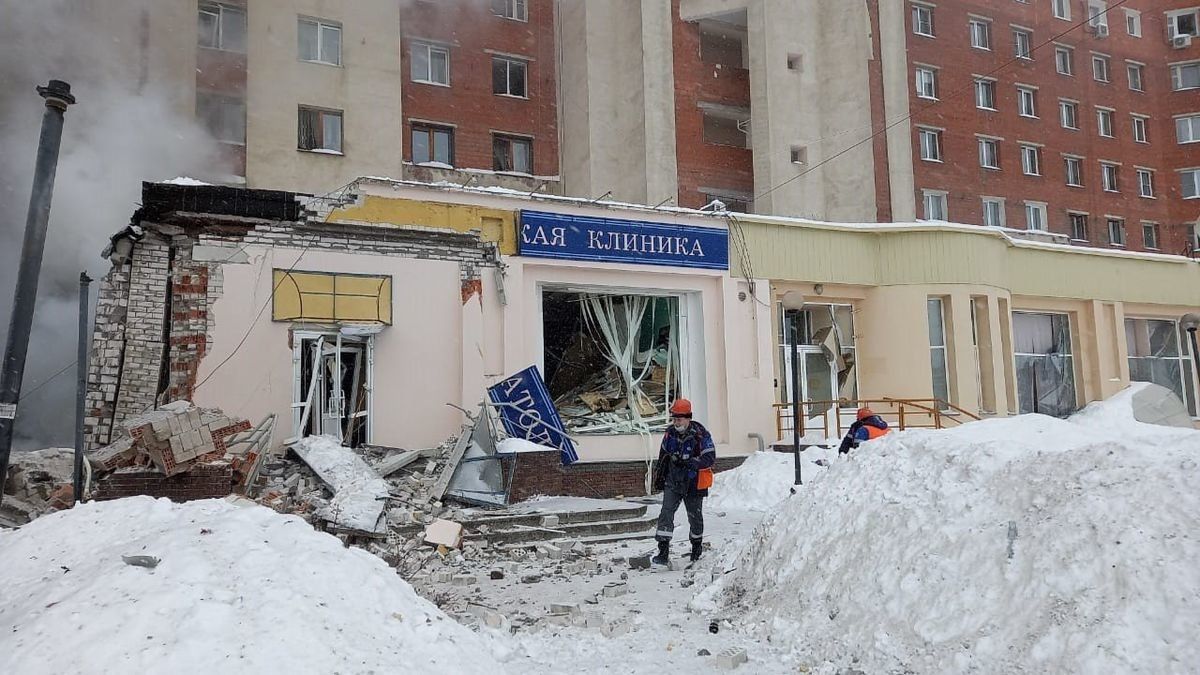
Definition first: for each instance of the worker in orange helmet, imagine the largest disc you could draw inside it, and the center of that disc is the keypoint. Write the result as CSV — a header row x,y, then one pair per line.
x,y
684,474
868,426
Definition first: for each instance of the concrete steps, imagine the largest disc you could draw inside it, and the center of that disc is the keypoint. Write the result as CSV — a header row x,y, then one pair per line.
x,y
590,531
504,527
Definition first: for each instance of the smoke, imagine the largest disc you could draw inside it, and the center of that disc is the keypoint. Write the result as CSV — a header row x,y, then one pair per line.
x,y
133,122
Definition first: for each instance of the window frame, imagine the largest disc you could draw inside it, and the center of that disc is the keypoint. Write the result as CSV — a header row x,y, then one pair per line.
x,y
919,8
1133,22
1077,162
1069,52
1145,181
997,202
939,347
1074,219
1192,121
430,48
1150,242
1065,5
929,197
1173,17
219,9
321,25
1177,75
925,133
1105,122
1132,67
1041,209
1116,231
509,62
1031,159
430,129
1105,69
919,73
985,84
1018,33
1063,106
512,140
986,24
1107,169
1183,356
512,5
994,144
214,101
322,113
1195,183
1022,91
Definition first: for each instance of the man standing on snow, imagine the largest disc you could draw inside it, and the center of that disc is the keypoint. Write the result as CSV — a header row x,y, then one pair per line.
x,y
684,474
868,426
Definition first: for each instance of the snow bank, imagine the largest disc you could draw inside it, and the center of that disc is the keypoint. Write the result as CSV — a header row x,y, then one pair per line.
x,y
1026,544
238,590
515,445
764,479
358,491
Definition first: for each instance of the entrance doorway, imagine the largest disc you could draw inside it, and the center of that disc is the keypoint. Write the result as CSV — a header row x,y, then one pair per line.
x,y
818,375
332,386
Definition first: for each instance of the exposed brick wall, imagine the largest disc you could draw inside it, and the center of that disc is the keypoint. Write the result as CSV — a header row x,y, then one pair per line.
x,y
542,473
189,320
204,481
107,355
879,149
141,366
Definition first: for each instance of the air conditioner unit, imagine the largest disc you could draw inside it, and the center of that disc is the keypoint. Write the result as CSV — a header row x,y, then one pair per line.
x,y
1101,30
1181,41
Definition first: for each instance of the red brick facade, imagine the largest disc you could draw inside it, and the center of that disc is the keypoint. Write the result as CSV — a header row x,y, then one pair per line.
x,y
474,35
542,473
955,115
205,481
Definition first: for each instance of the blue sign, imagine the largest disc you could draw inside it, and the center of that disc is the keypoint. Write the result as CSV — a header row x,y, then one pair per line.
x,y
527,412
558,235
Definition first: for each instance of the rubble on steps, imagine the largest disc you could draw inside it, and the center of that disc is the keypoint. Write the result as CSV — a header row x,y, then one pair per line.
x,y
38,482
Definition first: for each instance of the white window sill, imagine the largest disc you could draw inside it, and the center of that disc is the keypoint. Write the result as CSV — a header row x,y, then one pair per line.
x,y
1117,245
982,49
932,161
1079,241
989,168
1071,128
1141,142
1029,117
519,98
927,98
1137,91
1188,142
1031,175
1023,58
1112,192
321,63
926,35
1103,136
1073,185
322,151
1065,74
221,49
1148,197
1102,81
432,83
1190,198
985,109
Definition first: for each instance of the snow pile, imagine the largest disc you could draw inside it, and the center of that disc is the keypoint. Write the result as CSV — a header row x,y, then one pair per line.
x,y
358,491
1027,544
238,590
764,479
516,445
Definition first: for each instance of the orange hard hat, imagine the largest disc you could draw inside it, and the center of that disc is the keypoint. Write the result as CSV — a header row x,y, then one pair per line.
x,y
864,413
681,406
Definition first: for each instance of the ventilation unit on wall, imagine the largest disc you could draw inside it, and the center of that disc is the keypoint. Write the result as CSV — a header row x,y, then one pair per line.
x,y
1181,41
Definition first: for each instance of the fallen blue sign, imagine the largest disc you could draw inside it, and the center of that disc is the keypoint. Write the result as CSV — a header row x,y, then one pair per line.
x,y
527,412
559,235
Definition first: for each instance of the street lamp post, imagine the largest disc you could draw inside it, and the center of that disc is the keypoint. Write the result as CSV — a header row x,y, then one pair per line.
x,y
1190,323
794,301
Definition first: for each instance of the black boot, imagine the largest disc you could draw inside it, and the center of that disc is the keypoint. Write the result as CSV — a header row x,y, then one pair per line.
x,y
664,548
697,549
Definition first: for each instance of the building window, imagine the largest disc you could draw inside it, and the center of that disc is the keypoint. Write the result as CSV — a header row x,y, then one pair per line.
x,y
1140,129
430,64
1159,352
985,94
432,145
931,144
1068,114
1150,235
1191,237
1190,183
989,153
508,77
1079,226
1062,9
1064,60
922,20
1026,102
1108,177
935,205
1133,22
993,212
512,153
732,204
1022,44
1074,167
517,10
222,27
819,329
1031,164
1135,71
981,33
1182,23
1098,16
320,41
1116,231
320,130
223,116
926,81
1099,68
726,127
1044,363
1145,183
1104,122
935,308
1187,129
1035,216
1185,76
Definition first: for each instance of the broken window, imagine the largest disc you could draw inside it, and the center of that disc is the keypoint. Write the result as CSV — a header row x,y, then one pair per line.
x,y
1044,363
512,153
722,44
320,130
223,116
824,335
221,27
1155,355
722,129
332,385
612,361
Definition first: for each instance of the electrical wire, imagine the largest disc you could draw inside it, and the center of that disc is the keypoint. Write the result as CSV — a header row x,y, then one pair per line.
x,y
46,381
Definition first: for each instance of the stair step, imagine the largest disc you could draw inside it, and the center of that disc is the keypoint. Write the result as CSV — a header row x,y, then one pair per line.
x,y
499,522
570,531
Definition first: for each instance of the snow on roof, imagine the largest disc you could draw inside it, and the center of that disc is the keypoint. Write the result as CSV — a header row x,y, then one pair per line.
x,y
184,180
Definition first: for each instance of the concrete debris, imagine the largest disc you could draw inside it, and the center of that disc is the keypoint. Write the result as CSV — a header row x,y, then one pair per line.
x,y
147,561
731,658
36,484
445,533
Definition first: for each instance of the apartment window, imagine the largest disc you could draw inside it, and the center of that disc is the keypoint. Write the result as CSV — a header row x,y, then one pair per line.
x,y
1064,60
1187,129
1140,129
1145,183
926,81
1031,164
1135,72
922,20
993,212
432,144
1022,44
1133,22
1190,183
1116,231
1079,226
1150,235
989,153
935,204
732,204
721,127
1159,352
1185,76
1100,68
1186,22
1108,177
1191,237
320,41
1074,171
985,94
430,63
508,76
1097,14
981,33
1044,363
512,153
517,10
936,311
223,116
1068,114
221,27
1026,102
1104,122
1062,9
320,130
931,144
1035,216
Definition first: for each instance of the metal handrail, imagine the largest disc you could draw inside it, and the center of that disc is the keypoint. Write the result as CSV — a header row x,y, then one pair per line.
x,y
936,411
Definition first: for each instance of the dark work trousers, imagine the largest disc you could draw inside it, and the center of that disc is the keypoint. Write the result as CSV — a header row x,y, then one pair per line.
x,y
666,518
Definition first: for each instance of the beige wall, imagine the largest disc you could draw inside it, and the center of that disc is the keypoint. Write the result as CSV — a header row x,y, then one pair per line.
x,y
893,47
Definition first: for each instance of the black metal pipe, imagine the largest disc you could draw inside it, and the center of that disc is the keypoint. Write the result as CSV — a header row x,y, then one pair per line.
x,y
796,395
58,96
81,368
1195,361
